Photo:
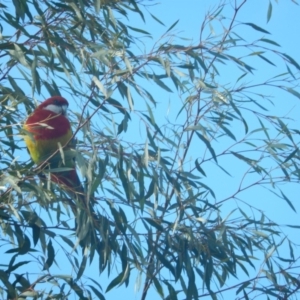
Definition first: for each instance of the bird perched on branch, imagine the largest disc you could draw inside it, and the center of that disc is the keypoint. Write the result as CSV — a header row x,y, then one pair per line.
x,y
49,139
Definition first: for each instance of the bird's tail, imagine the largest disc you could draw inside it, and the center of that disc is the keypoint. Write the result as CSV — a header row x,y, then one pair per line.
x,y
86,218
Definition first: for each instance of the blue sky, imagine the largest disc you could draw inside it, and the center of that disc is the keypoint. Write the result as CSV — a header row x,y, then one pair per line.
x,y
283,26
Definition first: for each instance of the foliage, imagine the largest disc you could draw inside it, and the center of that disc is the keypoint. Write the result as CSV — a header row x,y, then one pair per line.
x,y
156,213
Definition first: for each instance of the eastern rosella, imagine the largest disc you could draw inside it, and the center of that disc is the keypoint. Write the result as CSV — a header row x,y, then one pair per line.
x,y
47,130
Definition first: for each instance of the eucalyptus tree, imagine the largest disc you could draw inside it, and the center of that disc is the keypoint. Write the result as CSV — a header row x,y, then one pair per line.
x,y
159,124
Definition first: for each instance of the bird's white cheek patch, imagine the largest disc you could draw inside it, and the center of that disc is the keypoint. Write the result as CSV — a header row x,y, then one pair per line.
x,y
57,109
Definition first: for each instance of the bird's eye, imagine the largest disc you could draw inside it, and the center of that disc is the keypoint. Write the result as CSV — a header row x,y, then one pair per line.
x,y
56,102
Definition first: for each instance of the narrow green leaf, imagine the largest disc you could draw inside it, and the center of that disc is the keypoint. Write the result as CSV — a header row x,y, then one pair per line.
x,y
208,145
130,102
172,293
11,293
291,155
35,233
158,287
68,241
16,266
291,250
240,114
151,140
267,60
269,14
100,86
97,292
150,189
264,129
293,92
198,167
243,268
208,273
77,289
165,262
128,64
285,129
15,86
209,189
117,105
25,246
288,201
241,63
123,178
151,115
242,76
154,223
172,26
161,84
136,8
198,59
50,258
259,105
82,266
138,30
118,219
257,27
97,5
249,161
287,176
292,61
270,42
116,281
77,11
228,132
245,295
19,55
260,234
157,20
291,73
112,19
218,12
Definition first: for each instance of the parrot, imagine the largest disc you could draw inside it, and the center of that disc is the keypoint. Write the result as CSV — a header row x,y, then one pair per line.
x,y
49,140
48,131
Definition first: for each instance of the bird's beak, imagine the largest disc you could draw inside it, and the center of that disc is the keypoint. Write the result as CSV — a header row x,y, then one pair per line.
x,y
64,109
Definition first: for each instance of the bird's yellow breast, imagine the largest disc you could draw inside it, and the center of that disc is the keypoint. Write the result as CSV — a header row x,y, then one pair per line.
x,y
41,149
44,131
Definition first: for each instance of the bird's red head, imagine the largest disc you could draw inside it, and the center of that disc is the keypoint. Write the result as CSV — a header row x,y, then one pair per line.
x,y
56,104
